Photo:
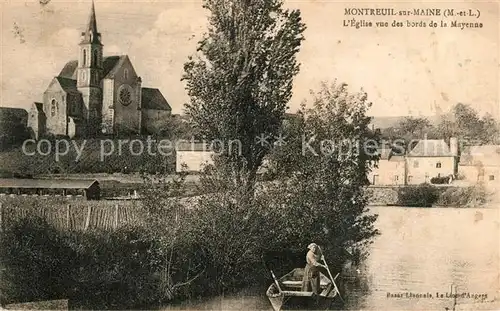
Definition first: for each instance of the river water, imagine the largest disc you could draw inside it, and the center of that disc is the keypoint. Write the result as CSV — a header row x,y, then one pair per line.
x,y
421,251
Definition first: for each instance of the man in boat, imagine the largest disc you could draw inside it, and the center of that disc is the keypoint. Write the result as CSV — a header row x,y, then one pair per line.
x,y
311,280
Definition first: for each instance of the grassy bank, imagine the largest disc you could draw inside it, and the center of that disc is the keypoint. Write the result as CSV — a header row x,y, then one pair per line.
x,y
97,156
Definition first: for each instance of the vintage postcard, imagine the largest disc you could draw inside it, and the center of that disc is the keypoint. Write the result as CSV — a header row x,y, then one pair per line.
x,y
250,155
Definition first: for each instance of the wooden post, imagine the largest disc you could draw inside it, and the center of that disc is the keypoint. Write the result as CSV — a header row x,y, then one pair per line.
x,y
116,216
89,213
68,217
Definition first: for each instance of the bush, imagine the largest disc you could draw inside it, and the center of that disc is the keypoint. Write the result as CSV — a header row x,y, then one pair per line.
x,y
36,260
440,180
94,270
423,195
463,197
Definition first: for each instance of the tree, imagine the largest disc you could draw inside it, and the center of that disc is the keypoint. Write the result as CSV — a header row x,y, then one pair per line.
x,y
464,123
241,83
414,127
491,129
328,165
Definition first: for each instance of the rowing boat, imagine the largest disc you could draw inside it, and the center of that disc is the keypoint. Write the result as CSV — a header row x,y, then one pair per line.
x,y
286,294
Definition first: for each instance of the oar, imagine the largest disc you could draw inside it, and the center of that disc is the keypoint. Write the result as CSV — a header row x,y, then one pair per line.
x,y
330,274
276,282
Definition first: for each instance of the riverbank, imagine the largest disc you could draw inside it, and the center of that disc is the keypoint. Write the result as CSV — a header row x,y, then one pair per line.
x,y
432,196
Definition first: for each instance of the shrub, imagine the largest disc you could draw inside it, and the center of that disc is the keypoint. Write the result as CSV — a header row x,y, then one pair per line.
x,y
423,195
36,262
94,270
440,180
463,197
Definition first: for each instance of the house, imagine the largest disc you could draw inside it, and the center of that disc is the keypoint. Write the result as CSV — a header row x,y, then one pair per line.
x,y
390,169
431,158
481,164
192,156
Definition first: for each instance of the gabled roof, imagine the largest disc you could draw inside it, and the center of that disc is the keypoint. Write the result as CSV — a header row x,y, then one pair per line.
x,y
68,85
183,145
6,112
487,155
431,148
46,183
153,99
38,106
69,70
108,64
112,64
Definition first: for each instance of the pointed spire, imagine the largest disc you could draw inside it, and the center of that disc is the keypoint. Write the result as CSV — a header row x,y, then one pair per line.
x,y
91,35
92,26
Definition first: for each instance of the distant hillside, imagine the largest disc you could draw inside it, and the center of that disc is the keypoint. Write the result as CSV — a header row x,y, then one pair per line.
x,y
382,122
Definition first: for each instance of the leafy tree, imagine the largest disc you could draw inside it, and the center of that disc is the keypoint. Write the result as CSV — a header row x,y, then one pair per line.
x,y
327,168
491,129
178,127
414,127
465,123
241,83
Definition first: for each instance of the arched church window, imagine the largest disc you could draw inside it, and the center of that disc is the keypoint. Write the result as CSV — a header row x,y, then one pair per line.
x,y
125,74
53,108
84,57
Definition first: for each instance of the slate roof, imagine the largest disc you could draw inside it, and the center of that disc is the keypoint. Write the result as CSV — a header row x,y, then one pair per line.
x,y
39,106
8,112
68,85
153,99
192,146
46,183
108,64
487,155
431,148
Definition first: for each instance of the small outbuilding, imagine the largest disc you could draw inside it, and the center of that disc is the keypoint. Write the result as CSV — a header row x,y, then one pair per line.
x,y
89,189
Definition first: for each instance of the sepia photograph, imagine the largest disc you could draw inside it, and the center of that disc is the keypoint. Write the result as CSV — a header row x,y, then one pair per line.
x,y
266,155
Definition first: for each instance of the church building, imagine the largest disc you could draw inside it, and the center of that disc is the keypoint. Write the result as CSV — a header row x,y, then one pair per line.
x,y
96,95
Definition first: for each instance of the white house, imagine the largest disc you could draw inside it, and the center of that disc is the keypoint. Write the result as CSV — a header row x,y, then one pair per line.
x,y
192,156
390,169
481,164
431,158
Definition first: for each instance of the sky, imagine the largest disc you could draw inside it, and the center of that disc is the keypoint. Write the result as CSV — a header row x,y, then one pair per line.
x,y
405,71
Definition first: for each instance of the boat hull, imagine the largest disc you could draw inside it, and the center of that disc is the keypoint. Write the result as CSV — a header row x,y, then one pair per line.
x,y
292,298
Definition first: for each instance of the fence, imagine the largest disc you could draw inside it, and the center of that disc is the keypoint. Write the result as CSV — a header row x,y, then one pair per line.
x,y
76,216
73,214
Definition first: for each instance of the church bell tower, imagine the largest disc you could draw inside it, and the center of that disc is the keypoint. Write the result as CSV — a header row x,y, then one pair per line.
x,y
89,74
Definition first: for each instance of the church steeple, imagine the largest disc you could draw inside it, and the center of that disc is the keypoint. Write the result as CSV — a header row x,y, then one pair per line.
x,y
89,72
91,35
90,59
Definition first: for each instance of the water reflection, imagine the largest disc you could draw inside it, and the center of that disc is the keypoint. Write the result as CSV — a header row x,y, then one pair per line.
x,y
425,251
